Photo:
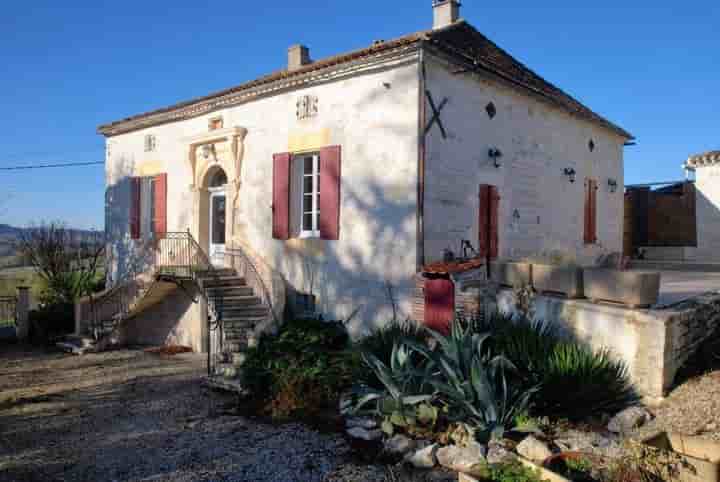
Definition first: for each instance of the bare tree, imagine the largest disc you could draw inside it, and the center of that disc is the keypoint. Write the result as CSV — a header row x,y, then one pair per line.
x,y
68,260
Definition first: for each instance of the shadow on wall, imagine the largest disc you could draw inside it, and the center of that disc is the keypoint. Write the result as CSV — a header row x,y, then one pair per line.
x,y
173,321
377,245
125,255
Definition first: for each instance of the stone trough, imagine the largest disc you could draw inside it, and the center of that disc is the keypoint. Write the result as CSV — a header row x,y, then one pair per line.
x,y
636,289
552,279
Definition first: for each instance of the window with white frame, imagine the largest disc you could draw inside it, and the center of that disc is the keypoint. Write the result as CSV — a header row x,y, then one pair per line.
x,y
147,207
305,204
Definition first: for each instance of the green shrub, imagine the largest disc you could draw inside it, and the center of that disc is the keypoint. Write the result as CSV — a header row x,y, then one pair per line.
x,y
303,368
574,381
513,472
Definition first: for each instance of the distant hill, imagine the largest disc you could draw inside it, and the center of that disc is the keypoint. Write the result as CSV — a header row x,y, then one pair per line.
x,y
9,257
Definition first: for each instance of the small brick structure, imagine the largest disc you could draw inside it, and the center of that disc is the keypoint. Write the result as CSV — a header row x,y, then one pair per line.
x,y
469,280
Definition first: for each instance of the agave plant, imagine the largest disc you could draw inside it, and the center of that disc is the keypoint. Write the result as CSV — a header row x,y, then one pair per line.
x,y
477,387
406,382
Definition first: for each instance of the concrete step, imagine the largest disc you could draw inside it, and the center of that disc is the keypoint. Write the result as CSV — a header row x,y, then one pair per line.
x,y
226,384
224,281
242,311
236,301
215,272
230,291
236,346
227,370
239,324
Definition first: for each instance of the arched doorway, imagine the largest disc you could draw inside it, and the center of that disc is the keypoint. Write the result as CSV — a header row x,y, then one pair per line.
x,y
215,228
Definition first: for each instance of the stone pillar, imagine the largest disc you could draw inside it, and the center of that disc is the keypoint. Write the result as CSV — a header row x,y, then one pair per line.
x,y
22,323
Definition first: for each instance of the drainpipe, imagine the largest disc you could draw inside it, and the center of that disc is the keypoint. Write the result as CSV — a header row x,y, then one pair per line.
x,y
422,120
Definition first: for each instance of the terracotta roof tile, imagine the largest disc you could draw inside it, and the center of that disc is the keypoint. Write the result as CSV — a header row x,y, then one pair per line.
x,y
710,157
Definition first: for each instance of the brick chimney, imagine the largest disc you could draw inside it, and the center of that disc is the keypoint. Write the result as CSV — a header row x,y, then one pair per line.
x,y
445,12
298,56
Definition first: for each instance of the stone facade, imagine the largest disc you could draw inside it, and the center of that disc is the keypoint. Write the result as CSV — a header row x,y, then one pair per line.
x,y
375,108
540,210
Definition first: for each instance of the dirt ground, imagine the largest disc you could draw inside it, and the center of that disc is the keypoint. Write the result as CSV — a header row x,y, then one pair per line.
x,y
132,415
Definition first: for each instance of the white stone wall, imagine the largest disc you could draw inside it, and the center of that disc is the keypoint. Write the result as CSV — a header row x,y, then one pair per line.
x,y
373,116
537,142
707,196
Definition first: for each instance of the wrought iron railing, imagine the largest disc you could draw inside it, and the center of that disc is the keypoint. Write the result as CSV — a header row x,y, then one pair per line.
x,y
8,311
170,257
241,262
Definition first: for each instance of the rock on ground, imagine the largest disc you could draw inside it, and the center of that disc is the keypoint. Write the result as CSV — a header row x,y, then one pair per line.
x,y
461,458
629,419
533,449
423,458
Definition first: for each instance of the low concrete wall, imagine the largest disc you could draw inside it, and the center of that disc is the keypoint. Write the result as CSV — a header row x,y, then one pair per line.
x,y
653,343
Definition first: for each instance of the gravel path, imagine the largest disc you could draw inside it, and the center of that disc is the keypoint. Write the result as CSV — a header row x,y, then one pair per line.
x,y
131,415
693,408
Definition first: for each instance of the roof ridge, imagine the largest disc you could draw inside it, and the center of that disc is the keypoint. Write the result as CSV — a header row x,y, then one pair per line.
x,y
479,50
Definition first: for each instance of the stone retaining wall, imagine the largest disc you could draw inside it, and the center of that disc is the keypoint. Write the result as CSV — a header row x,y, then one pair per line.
x,y
654,344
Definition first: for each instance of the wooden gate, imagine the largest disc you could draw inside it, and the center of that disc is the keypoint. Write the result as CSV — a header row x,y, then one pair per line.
x,y
439,304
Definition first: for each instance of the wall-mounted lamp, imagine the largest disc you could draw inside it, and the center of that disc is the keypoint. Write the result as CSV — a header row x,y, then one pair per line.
x,y
612,185
570,173
207,150
495,154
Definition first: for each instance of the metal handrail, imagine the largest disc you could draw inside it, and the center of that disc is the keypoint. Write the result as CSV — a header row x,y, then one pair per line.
x,y
173,256
253,278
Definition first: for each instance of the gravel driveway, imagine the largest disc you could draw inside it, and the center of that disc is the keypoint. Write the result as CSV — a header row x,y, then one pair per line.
x,y
131,415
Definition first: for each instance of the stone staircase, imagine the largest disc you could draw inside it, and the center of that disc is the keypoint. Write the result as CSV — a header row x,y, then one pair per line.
x,y
241,311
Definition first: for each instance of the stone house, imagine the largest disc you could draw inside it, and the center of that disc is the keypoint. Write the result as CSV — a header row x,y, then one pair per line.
x,y
339,179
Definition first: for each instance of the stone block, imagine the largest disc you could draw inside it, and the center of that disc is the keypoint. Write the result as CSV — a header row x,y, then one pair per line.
x,y
511,273
637,289
702,455
566,280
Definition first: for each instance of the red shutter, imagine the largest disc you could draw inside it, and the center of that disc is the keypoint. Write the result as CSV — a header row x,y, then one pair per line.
x,y
281,196
439,304
590,226
484,221
488,221
493,224
135,207
160,221
593,210
329,218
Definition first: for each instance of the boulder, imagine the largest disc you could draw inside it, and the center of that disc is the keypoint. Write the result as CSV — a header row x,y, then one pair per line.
x,y
423,458
629,419
589,442
462,458
533,449
497,453
363,434
399,445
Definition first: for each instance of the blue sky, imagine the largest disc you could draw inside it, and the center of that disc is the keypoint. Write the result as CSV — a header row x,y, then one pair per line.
x,y
652,67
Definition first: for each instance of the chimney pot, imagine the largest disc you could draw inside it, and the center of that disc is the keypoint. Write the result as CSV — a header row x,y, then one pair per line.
x,y
445,12
298,56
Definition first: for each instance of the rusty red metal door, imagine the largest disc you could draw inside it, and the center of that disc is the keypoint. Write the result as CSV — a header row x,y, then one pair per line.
x,y
439,304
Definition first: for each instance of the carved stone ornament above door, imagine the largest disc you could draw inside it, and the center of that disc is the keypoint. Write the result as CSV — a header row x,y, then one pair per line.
x,y
222,146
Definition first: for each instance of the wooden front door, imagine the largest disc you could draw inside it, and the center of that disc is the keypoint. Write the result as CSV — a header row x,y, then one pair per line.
x,y
439,304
